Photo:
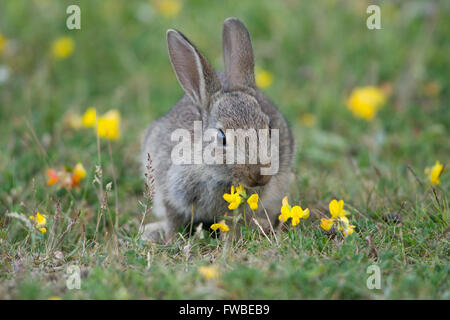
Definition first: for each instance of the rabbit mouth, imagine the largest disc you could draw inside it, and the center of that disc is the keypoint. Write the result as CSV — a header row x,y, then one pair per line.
x,y
256,184
250,177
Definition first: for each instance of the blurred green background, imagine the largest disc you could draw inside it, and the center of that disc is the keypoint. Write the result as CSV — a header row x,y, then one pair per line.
x,y
316,51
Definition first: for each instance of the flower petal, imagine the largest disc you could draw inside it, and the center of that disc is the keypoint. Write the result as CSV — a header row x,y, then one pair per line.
x,y
53,177
334,208
295,220
344,220
89,117
305,213
348,230
285,201
240,189
285,213
253,201
221,225
326,224
228,197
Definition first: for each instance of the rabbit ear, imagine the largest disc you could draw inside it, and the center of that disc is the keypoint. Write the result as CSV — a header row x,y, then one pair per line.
x,y
238,54
193,71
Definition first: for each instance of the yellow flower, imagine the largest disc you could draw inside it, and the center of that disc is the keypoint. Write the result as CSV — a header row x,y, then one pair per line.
x,y
54,298
348,230
308,119
338,215
168,8
326,224
63,47
285,210
240,189
89,117
234,199
222,226
345,222
365,102
108,126
78,174
210,272
79,171
434,173
345,226
39,219
337,208
263,78
2,42
253,201
296,212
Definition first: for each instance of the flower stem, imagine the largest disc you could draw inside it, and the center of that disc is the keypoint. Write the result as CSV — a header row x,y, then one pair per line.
x,y
116,195
245,219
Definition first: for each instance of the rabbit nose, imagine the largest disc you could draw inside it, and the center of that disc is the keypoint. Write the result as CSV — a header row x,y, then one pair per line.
x,y
257,179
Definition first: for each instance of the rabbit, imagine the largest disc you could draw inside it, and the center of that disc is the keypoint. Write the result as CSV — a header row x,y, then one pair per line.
x,y
222,100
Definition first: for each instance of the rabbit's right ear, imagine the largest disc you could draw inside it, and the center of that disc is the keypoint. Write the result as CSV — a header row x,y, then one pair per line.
x,y
193,71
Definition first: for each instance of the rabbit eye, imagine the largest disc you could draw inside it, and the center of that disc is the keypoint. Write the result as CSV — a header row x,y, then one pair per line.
x,y
221,137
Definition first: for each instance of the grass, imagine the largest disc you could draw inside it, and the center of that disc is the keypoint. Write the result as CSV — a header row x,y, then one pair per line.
x,y
318,52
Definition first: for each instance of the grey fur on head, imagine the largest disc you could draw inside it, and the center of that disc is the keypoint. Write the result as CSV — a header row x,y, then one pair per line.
x,y
223,100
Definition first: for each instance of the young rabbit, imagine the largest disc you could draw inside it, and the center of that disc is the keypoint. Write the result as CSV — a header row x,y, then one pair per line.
x,y
222,101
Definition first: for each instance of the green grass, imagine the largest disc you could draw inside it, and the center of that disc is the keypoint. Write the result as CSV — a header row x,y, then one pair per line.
x,y
318,51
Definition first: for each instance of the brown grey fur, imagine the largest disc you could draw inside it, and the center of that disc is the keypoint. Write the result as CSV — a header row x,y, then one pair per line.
x,y
228,100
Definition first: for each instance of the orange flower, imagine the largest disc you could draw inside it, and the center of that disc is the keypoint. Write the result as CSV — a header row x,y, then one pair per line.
x,y
66,178
53,177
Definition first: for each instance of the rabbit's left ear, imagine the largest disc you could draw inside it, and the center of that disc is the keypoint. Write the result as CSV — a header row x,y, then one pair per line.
x,y
238,55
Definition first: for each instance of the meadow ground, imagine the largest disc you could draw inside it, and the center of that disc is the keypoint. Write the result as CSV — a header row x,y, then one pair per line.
x,y
317,53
